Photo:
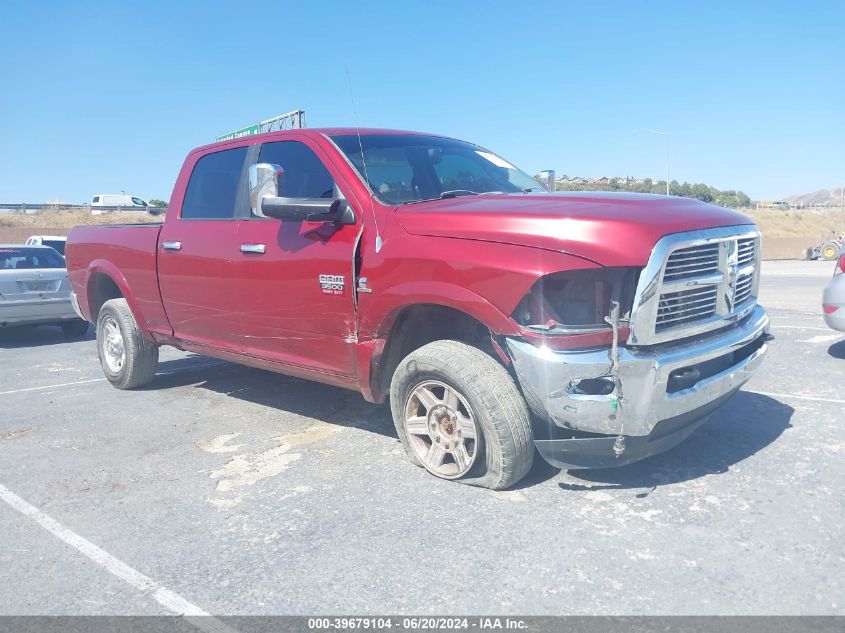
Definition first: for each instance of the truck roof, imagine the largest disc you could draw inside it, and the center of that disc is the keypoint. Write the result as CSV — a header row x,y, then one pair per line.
x,y
311,131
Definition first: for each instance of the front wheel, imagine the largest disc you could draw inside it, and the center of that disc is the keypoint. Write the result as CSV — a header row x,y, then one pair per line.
x,y
460,416
127,358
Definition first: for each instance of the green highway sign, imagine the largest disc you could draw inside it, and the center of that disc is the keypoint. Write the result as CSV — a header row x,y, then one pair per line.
x,y
244,131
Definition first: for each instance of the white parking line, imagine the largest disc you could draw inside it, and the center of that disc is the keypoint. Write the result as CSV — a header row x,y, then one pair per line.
x,y
64,384
165,597
795,396
85,382
800,327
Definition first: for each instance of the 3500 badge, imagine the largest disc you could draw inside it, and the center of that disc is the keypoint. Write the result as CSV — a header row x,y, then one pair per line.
x,y
332,284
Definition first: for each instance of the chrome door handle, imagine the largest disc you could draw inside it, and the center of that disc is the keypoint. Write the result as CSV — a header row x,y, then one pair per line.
x,y
253,248
172,246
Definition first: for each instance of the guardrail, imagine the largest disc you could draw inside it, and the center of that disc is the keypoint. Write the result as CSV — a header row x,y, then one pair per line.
x,y
26,207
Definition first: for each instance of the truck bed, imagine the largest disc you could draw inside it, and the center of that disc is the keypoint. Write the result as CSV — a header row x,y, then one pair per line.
x,y
127,254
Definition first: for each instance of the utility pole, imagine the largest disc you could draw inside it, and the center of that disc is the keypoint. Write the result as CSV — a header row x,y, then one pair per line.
x,y
666,136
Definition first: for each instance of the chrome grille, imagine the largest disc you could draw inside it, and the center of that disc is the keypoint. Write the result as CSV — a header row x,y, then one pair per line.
x,y
677,308
690,262
746,251
743,289
712,270
696,282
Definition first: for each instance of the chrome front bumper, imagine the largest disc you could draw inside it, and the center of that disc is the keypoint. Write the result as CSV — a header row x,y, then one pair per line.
x,y
551,378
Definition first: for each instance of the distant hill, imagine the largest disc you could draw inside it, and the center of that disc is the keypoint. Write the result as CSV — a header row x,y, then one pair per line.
x,y
820,197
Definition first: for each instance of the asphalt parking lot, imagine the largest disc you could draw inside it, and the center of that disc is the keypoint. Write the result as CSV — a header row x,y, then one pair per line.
x,y
237,491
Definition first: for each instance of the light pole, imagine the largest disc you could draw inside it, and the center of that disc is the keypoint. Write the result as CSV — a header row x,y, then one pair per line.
x,y
666,136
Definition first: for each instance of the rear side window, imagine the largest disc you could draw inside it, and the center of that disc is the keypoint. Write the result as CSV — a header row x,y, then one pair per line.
x,y
56,245
305,175
213,187
29,258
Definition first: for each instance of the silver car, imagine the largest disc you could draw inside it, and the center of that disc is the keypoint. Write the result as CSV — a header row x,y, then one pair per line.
x,y
833,299
34,289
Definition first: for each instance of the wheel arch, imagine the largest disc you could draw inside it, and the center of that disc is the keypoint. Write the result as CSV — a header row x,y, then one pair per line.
x,y
106,282
410,326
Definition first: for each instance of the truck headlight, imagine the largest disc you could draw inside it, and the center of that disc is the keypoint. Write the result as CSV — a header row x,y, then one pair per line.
x,y
576,302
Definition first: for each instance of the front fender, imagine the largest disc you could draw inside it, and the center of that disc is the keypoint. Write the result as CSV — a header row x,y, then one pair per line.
x,y
387,306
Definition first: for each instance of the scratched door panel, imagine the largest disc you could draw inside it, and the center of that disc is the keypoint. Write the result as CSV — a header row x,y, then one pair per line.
x,y
287,313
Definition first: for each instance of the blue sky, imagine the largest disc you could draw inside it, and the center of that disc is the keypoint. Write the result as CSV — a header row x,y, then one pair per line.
x,y
99,97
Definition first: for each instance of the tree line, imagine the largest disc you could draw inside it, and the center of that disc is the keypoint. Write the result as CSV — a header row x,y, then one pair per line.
x,y
699,191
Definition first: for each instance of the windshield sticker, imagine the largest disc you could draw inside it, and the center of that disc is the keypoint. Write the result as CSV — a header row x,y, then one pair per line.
x,y
332,284
496,160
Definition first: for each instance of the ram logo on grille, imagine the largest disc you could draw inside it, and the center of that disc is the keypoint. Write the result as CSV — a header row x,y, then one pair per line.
x,y
731,274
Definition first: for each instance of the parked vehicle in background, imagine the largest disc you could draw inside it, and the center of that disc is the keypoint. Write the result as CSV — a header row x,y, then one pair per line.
x,y
35,289
828,249
833,298
433,272
56,242
117,200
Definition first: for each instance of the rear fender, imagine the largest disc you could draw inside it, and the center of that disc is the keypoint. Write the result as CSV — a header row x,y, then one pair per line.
x,y
107,268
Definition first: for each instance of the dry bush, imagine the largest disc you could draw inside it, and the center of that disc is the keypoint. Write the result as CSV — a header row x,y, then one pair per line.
x,y
68,218
811,224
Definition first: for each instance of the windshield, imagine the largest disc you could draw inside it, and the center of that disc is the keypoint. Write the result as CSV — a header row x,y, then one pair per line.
x,y
403,168
23,258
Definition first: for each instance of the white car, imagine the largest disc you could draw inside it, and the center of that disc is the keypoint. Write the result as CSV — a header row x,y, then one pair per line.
x,y
53,241
35,289
833,299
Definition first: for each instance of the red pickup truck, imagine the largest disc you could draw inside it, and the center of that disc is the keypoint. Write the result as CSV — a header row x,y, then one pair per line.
x,y
497,317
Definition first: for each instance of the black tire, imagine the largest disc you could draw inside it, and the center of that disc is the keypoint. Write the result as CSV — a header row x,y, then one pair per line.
x,y
75,328
830,251
504,451
140,356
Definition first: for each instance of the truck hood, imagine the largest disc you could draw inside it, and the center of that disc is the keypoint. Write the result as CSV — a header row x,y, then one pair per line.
x,y
609,229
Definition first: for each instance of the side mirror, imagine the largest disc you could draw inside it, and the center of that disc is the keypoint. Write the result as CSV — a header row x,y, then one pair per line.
x,y
265,182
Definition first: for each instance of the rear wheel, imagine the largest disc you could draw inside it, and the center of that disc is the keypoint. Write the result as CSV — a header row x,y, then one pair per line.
x,y
460,416
75,328
830,251
127,358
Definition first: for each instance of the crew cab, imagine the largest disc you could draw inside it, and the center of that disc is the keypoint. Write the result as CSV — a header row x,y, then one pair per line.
x,y
495,316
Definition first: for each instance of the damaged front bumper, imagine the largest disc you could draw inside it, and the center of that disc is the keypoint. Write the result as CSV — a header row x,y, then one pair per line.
x,y
667,392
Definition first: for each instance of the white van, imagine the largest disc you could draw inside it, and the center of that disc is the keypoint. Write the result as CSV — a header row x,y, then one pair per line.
x,y
117,200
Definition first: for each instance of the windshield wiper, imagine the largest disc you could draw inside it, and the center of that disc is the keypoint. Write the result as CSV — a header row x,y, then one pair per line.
x,y
452,193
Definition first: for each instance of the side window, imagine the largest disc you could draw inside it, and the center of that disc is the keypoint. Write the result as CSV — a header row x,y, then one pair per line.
x,y
305,175
96,198
213,187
